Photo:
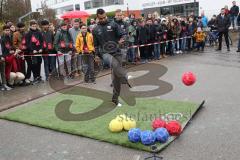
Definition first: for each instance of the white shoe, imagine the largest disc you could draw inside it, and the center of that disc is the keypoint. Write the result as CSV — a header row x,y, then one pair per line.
x,y
119,104
129,77
27,81
180,52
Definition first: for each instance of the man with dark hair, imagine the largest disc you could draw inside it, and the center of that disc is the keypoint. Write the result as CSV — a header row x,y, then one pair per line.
x,y
223,23
4,86
234,14
34,42
48,37
107,36
119,20
63,44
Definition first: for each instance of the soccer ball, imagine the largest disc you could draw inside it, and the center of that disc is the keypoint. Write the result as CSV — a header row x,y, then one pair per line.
x,y
129,123
162,135
115,126
188,78
148,137
158,123
174,128
134,135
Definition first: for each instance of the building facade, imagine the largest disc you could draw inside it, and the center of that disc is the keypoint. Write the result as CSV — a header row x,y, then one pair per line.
x,y
185,7
163,7
62,6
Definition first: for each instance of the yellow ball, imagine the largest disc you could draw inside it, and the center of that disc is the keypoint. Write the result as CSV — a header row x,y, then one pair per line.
x,y
129,124
115,126
121,117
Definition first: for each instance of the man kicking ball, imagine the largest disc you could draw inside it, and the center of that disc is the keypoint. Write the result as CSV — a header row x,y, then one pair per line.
x,y
107,38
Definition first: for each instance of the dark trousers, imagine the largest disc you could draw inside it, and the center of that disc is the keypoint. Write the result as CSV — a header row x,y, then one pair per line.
x,y
118,73
143,51
33,66
163,48
200,45
88,67
2,72
220,39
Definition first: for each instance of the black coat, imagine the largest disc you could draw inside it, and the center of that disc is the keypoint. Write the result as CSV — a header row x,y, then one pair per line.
x,y
142,35
223,23
32,45
234,10
151,33
7,45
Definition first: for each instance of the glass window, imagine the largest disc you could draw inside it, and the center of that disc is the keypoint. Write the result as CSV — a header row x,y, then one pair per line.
x,y
77,7
88,5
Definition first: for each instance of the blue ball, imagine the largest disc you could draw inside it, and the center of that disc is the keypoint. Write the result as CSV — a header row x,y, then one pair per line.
x,y
148,137
134,135
161,135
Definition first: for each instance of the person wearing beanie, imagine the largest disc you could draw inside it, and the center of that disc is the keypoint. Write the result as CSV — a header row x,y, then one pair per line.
x,y
48,48
200,38
34,41
63,44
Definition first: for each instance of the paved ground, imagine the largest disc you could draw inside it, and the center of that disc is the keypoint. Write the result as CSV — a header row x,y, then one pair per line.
x,y
213,134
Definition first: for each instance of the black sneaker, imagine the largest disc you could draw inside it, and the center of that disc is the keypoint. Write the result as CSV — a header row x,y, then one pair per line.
x,y
238,50
228,49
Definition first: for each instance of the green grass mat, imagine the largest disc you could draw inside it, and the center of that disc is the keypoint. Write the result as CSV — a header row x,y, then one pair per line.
x,y
42,114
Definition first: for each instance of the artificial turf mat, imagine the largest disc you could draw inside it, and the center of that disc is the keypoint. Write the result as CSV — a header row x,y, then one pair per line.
x,y
42,114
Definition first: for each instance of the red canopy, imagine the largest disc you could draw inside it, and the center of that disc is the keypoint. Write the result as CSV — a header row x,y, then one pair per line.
x,y
75,14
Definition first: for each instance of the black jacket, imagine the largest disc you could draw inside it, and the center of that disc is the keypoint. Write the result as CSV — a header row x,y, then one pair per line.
x,y
234,10
48,40
104,34
151,33
34,40
7,45
142,34
223,23
123,25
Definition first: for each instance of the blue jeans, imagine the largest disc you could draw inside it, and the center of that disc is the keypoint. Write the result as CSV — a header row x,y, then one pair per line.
x,y
131,54
183,44
234,21
156,51
49,65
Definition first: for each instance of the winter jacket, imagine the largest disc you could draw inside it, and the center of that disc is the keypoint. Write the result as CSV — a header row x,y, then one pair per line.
x,y
6,45
234,11
223,23
34,40
200,36
80,43
105,33
132,33
63,41
142,34
151,33
74,33
48,41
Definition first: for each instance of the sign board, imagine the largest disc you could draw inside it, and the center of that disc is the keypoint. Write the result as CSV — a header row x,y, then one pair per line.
x,y
36,4
162,3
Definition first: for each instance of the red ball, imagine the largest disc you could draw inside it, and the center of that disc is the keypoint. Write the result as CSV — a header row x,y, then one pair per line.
x,y
188,78
158,123
174,128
